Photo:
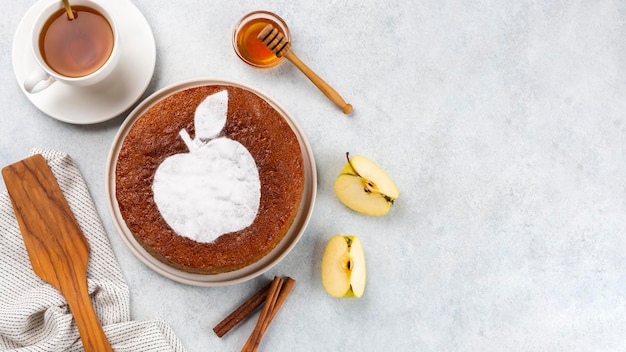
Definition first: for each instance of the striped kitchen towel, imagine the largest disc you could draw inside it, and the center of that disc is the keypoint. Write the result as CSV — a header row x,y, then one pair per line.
x,y
34,317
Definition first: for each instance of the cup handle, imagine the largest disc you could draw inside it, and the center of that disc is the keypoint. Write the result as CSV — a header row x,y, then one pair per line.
x,y
38,81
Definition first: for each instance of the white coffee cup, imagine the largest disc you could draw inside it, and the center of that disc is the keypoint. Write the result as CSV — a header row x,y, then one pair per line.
x,y
43,76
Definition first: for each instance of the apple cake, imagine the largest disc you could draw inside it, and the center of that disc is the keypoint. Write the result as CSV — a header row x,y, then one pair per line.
x,y
209,179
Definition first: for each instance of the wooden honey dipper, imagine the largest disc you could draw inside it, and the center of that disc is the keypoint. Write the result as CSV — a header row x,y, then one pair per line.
x,y
276,42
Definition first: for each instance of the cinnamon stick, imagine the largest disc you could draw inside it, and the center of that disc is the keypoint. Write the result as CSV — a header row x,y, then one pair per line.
x,y
282,297
270,301
273,303
244,310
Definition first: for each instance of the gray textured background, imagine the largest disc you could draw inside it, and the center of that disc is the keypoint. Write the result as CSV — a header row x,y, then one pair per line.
x,y
503,124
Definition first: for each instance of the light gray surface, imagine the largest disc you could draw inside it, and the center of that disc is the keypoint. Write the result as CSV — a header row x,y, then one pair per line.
x,y
502,123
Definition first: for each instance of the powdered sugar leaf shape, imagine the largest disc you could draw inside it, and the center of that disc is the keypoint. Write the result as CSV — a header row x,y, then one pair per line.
x,y
210,116
213,189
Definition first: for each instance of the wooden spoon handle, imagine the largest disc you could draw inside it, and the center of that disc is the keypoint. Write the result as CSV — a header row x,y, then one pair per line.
x,y
89,328
68,9
319,82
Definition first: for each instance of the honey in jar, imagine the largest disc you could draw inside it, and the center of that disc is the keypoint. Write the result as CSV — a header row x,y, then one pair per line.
x,y
250,49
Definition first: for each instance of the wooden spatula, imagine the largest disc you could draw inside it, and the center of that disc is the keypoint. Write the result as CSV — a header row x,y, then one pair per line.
x,y
56,246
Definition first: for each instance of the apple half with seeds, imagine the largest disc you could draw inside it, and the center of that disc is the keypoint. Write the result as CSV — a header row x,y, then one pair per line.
x,y
364,187
343,267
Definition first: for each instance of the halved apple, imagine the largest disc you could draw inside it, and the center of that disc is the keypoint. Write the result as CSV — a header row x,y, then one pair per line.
x,y
343,267
364,187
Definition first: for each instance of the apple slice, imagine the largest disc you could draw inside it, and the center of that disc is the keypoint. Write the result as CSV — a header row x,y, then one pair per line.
x,y
364,187
343,267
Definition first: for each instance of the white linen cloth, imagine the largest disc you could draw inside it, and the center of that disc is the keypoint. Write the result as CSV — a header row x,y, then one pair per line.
x,y
34,317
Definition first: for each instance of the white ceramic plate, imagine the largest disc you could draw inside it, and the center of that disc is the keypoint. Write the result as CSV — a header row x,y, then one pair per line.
x,y
107,99
246,273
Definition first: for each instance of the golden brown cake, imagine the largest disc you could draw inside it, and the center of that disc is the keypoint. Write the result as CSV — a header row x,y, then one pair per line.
x,y
185,179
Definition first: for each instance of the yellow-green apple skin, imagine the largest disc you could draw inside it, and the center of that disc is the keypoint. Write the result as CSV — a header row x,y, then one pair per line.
x,y
364,187
343,267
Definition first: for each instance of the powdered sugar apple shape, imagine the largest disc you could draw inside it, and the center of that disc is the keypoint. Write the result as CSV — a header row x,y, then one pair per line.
x,y
213,189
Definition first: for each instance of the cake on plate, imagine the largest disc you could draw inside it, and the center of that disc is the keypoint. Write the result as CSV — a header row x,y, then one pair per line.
x,y
209,179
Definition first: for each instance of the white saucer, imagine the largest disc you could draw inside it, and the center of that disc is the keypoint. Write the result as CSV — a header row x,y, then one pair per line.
x,y
107,99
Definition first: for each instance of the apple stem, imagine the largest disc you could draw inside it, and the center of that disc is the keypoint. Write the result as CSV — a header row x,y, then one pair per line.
x,y
350,163
192,144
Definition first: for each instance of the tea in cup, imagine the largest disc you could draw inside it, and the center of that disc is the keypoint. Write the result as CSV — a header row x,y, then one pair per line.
x,y
80,52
